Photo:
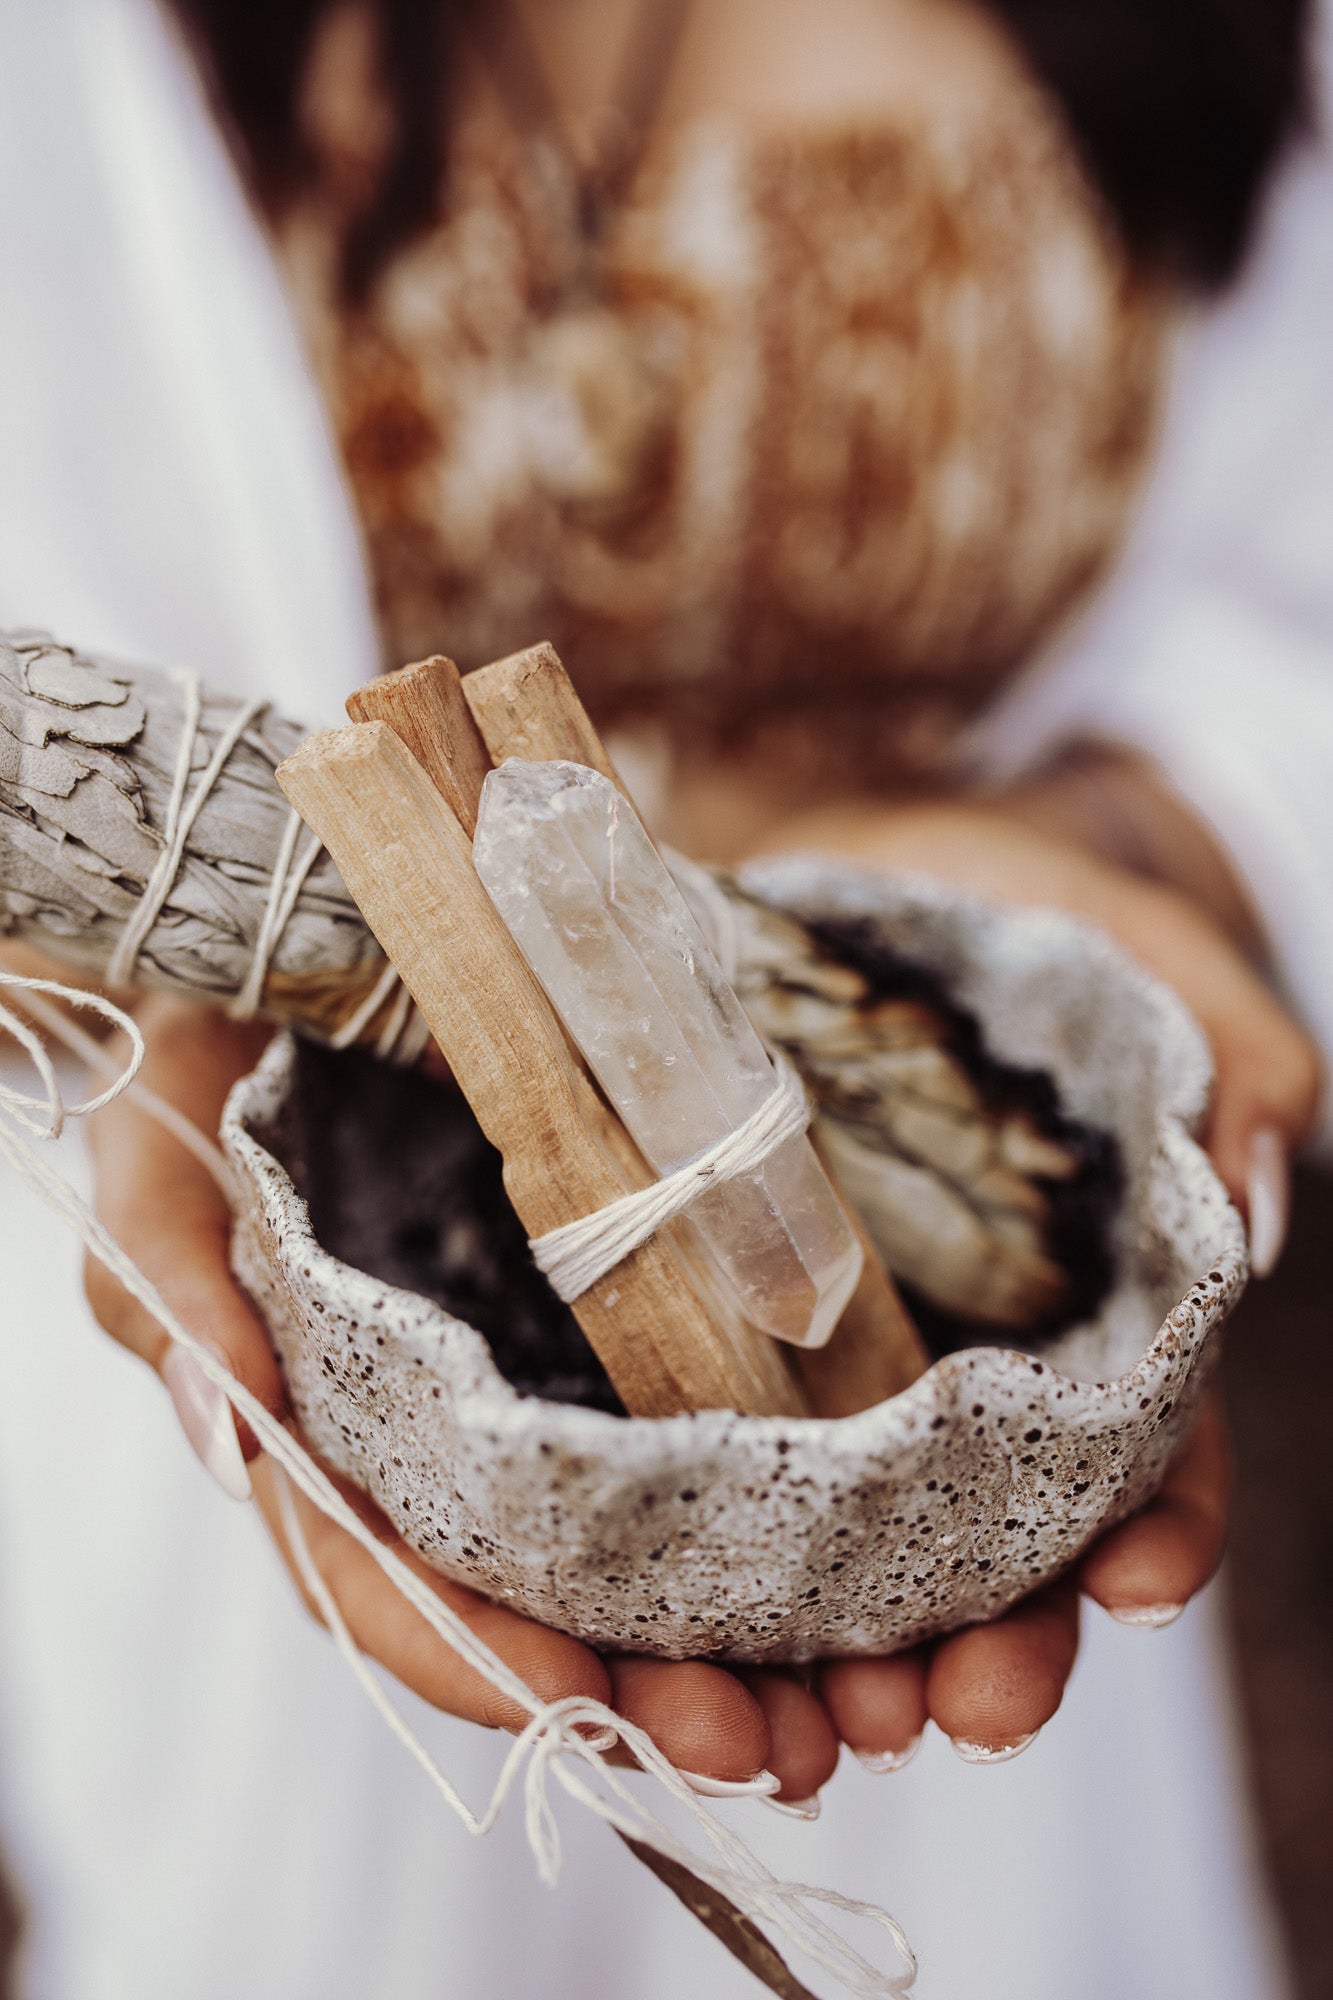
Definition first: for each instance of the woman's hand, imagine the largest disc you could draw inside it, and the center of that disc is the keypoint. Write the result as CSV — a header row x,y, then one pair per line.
x,y
990,1688
993,1684
1268,1074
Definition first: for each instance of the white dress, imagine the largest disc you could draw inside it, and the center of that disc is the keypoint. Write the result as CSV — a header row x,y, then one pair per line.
x,y
195,1799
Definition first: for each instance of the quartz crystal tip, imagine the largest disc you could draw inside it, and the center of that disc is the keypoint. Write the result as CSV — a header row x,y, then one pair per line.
x,y
609,937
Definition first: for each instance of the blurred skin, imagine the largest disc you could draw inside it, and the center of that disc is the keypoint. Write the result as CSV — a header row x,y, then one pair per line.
x,y
989,1687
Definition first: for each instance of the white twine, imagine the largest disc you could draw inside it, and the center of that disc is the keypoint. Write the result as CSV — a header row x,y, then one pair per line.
x,y
44,1117
181,816
565,1739
577,1254
404,1034
288,880
181,1128
405,1043
352,1027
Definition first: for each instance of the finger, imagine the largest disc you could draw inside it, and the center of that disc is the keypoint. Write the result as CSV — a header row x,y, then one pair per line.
x,y
1268,1077
992,1687
698,1715
803,1746
387,1629
168,1214
1265,1100
1267,1204
193,1275
188,1260
1146,1570
1268,1074
877,1707
182,1244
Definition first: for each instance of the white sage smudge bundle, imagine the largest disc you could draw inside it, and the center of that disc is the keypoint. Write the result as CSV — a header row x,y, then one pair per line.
x,y
144,841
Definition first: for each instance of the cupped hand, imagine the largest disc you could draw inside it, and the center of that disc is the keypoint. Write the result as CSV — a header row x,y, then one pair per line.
x,y
994,1685
171,1216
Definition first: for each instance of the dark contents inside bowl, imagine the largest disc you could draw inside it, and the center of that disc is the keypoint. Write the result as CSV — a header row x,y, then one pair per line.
x,y
402,1184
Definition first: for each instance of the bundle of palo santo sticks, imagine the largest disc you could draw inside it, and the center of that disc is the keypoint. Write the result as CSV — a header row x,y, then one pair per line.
x,y
144,837
395,799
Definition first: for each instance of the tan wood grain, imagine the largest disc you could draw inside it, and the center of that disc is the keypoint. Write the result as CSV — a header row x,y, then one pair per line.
x,y
875,1350
407,861
424,707
423,704
527,706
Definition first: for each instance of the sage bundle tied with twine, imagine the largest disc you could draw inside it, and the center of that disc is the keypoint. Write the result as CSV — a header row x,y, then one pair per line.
x,y
144,841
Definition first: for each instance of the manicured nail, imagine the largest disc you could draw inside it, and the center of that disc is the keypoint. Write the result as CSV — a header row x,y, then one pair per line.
x,y
206,1418
1268,1187
761,1787
982,1753
883,1761
798,1808
1146,1617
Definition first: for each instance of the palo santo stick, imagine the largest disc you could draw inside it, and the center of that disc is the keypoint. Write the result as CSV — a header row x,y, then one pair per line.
x,y
875,1351
408,862
527,706
423,705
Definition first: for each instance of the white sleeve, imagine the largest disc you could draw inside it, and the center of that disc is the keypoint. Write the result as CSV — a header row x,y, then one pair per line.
x,y
1211,648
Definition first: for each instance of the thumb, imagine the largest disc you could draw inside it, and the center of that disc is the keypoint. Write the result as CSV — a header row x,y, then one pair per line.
x,y
1268,1077
1266,1096
187,1260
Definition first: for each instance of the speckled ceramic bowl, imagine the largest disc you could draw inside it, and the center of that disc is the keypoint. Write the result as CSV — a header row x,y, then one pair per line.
x,y
773,1538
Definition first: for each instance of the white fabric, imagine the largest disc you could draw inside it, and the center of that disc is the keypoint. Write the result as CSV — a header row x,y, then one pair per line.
x,y
1212,649
167,491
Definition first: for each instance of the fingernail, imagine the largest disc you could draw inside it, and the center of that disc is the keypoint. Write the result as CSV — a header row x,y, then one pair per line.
x,y
982,1753
600,1740
883,1761
798,1808
761,1787
206,1418
1268,1187
1146,1617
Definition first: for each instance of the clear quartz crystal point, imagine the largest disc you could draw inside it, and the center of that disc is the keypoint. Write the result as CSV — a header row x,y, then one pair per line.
x,y
610,938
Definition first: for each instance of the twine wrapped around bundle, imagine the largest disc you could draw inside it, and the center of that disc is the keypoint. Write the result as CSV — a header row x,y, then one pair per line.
x,y
144,840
